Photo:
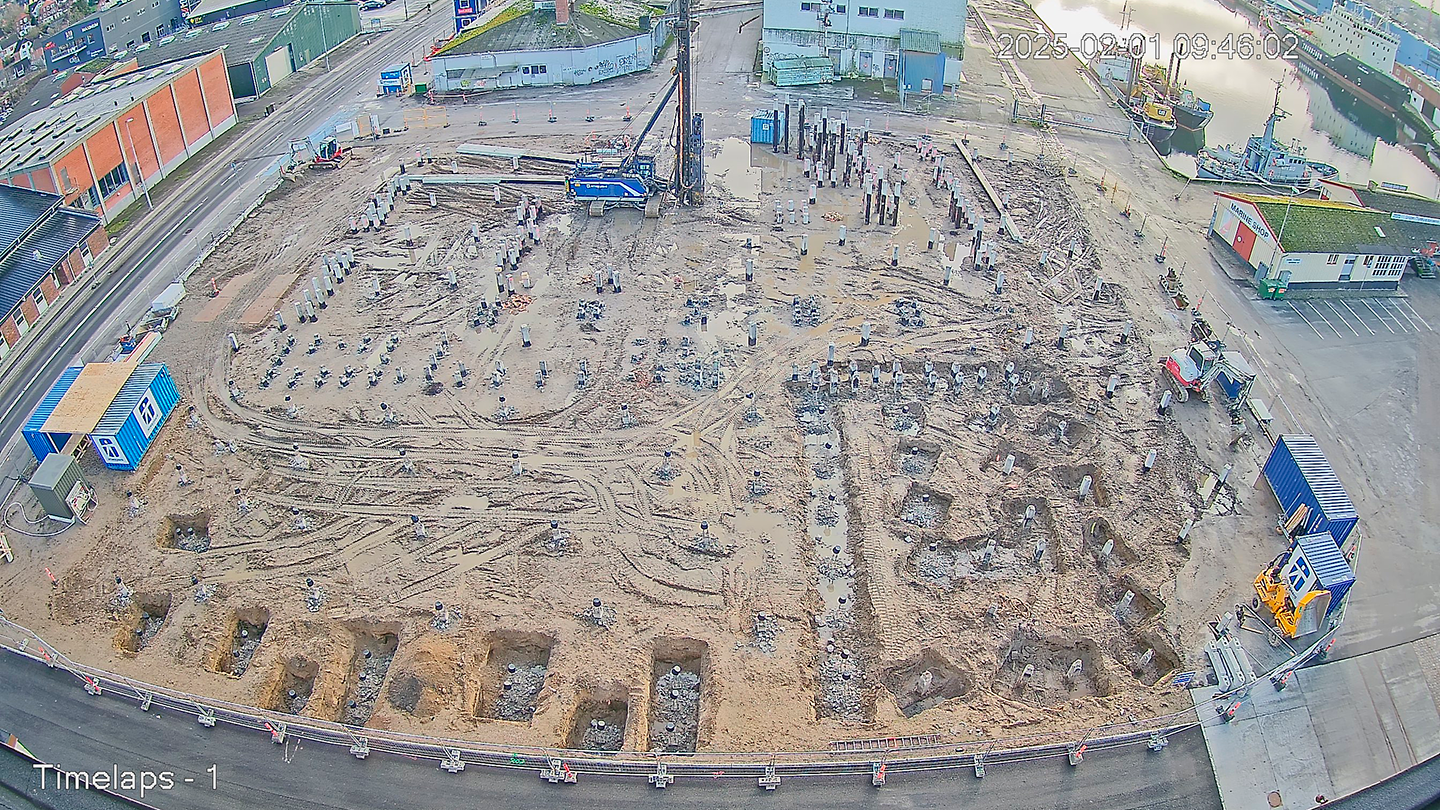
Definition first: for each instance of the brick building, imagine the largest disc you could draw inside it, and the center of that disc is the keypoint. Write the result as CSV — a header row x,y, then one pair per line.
x,y
87,144
45,246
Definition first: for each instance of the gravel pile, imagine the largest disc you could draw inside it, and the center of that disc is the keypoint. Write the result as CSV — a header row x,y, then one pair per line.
x,y
709,544
832,568
767,631
826,514
919,513
518,690
557,541
296,699
915,465
247,640
598,615
203,593
122,598
314,599
841,687
149,626
445,620
677,712
191,540
602,736
839,619
367,689
936,565
824,470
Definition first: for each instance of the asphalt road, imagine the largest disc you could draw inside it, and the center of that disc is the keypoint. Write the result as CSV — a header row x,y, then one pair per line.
x,y
58,722
158,247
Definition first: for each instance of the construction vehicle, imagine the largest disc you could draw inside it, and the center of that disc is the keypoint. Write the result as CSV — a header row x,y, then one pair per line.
x,y
331,154
632,182
1304,585
1192,368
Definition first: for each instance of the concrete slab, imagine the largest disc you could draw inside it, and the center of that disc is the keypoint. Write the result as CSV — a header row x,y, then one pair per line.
x,y
1409,689
1270,746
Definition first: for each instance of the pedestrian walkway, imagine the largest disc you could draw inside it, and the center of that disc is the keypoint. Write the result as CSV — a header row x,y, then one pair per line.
x,y
1338,727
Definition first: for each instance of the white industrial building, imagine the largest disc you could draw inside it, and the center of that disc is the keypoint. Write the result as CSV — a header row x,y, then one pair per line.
x,y
546,42
864,40
1308,244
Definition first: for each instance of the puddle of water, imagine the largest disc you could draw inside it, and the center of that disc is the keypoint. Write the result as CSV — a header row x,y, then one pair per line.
x,y
732,169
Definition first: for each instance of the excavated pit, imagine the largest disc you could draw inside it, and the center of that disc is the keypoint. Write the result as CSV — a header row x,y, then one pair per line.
x,y
142,621
1024,462
945,562
677,671
1043,389
598,723
373,653
517,663
292,685
185,532
1049,682
918,458
1098,533
247,628
1162,658
924,507
926,682
1142,606
1069,478
1064,430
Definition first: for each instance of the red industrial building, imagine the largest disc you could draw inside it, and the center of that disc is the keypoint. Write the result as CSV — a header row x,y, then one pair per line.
x,y
85,146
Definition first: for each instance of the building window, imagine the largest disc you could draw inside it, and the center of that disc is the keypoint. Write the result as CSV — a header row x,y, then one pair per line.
x,y
116,178
839,9
1369,260
1334,258
868,11
808,6
65,180
538,69
894,14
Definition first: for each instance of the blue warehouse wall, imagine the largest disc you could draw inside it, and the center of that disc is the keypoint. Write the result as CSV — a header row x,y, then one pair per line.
x,y
917,67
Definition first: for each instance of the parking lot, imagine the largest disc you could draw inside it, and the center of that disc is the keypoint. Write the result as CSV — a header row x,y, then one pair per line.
x,y
1354,318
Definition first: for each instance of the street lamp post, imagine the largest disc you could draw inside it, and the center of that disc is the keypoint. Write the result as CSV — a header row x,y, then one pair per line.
x,y
134,156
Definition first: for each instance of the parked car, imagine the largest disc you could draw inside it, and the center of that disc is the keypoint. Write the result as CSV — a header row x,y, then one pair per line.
x,y
371,5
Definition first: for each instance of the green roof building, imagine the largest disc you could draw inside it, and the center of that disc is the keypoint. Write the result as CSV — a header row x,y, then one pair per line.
x,y
1310,244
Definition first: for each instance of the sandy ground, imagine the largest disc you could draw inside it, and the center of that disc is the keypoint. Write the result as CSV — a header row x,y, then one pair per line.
x,y
398,590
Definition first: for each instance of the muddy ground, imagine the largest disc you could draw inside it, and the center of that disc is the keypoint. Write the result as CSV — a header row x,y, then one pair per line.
x,y
867,561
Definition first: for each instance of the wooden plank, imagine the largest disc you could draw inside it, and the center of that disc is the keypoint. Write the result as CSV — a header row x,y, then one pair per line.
x,y
263,308
82,407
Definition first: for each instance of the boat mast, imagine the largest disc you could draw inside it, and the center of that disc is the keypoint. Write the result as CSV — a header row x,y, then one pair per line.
x,y
1275,115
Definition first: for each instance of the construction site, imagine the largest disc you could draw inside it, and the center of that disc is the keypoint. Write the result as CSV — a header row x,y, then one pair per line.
x,y
847,435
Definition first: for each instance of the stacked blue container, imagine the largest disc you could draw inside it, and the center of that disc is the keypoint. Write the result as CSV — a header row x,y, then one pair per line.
x,y
1299,473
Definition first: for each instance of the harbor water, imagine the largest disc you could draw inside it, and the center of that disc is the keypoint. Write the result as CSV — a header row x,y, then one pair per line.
x,y
1334,126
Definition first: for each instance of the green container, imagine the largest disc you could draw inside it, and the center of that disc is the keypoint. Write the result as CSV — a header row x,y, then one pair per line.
x,y
421,88
1272,288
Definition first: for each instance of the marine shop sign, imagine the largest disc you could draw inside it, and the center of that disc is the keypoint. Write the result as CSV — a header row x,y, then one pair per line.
x,y
1254,222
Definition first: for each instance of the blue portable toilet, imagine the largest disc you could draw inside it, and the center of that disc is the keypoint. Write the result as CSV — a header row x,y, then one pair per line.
x,y
1299,473
135,416
41,443
762,128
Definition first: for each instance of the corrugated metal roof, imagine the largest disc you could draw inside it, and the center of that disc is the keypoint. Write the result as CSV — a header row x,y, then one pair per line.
x,y
1311,461
232,35
1326,560
52,398
919,40
20,270
128,398
20,210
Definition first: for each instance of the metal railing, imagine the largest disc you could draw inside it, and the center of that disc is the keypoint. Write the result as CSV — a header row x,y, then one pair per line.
x,y
898,754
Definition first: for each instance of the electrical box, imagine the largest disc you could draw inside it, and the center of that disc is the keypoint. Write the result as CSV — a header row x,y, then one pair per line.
x,y
60,488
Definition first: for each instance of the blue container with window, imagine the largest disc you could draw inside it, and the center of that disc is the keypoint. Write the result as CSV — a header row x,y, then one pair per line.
x,y
135,417
762,128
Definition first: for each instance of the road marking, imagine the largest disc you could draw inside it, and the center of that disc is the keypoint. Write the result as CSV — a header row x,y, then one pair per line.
x,y
1396,307
1358,318
1322,317
1391,315
1307,322
1377,315
1417,315
1341,317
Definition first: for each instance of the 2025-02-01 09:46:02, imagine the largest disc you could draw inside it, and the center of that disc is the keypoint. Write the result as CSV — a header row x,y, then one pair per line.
x,y
1244,46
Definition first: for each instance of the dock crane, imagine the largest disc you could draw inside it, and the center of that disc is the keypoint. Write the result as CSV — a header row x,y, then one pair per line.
x,y
633,182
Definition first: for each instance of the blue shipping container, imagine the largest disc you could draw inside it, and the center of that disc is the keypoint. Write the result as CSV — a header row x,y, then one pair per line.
x,y
135,417
1299,473
1332,570
762,129
43,444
